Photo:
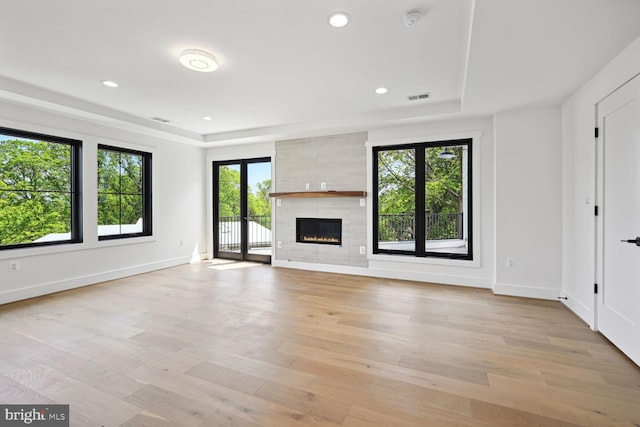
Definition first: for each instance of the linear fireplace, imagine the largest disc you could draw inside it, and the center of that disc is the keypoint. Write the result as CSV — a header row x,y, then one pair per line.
x,y
324,231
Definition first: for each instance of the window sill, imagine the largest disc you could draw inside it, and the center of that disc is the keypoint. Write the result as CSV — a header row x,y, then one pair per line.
x,y
410,259
71,247
125,241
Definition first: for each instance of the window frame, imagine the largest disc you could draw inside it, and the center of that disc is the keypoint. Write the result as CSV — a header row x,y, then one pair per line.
x,y
420,222
147,192
75,191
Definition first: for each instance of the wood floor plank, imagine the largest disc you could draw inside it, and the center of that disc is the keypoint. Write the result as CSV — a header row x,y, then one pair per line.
x,y
250,345
257,368
219,418
14,392
88,401
215,396
458,371
575,406
101,377
227,377
146,419
487,412
314,406
169,405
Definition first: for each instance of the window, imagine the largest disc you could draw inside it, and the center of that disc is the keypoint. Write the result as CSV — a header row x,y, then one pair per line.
x,y
422,206
124,193
40,197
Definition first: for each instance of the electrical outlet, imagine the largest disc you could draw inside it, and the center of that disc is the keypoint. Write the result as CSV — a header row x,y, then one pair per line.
x,y
363,250
279,244
278,202
307,186
323,185
510,262
14,266
363,202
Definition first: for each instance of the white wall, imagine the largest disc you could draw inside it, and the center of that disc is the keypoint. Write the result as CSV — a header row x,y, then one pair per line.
x,y
579,177
528,193
178,212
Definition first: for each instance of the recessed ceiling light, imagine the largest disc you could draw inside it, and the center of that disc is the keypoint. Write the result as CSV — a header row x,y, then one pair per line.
x,y
109,83
382,90
198,60
207,118
339,19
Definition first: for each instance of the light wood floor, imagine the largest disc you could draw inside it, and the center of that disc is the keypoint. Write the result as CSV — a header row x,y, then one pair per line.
x,y
207,345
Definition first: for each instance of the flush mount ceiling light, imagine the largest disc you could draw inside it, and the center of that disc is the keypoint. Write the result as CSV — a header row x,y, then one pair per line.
x,y
207,118
382,90
198,60
339,19
109,83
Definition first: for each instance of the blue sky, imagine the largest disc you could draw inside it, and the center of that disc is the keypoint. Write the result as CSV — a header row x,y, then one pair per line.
x,y
4,137
258,172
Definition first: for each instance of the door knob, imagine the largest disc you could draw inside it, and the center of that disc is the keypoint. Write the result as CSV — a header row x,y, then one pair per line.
x,y
636,241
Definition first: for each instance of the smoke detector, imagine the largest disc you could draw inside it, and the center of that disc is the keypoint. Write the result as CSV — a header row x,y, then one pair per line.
x,y
412,17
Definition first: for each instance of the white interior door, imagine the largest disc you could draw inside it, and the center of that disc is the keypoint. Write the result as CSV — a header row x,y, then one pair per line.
x,y
618,299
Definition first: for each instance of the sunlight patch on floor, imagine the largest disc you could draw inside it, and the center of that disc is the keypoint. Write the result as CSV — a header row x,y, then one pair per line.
x,y
226,264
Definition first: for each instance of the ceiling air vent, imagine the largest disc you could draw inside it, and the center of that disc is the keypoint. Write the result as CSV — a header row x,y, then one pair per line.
x,y
419,97
160,119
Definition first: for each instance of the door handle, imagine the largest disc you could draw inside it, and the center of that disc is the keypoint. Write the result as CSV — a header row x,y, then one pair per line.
x,y
636,241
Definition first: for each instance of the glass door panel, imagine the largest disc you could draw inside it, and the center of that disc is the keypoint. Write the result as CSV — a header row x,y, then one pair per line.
x,y
259,208
396,200
228,210
446,199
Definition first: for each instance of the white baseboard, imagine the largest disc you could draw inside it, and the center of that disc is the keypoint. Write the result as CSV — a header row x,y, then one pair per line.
x,y
580,310
443,279
386,274
526,291
498,288
326,268
78,282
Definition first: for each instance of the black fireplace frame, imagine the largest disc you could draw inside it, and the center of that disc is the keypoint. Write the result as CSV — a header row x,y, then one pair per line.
x,y
337,234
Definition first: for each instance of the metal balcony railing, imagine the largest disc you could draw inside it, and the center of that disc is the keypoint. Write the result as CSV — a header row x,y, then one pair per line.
x,y
401,227
259,232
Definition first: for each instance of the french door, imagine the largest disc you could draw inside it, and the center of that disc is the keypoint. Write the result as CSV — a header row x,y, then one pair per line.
x,y
242,209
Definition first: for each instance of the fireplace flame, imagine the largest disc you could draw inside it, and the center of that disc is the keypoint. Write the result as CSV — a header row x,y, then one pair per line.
x,y
320,239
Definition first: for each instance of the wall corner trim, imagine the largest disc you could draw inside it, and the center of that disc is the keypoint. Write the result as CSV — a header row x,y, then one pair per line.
x,y
579,309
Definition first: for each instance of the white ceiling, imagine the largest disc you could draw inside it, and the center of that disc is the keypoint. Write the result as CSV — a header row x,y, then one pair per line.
x,y
285,72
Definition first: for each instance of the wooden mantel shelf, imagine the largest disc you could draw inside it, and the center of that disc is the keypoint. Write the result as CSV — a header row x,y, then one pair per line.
x,y
301,194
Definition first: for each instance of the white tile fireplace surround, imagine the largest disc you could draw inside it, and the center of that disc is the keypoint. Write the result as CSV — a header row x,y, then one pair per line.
x,y
312,162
